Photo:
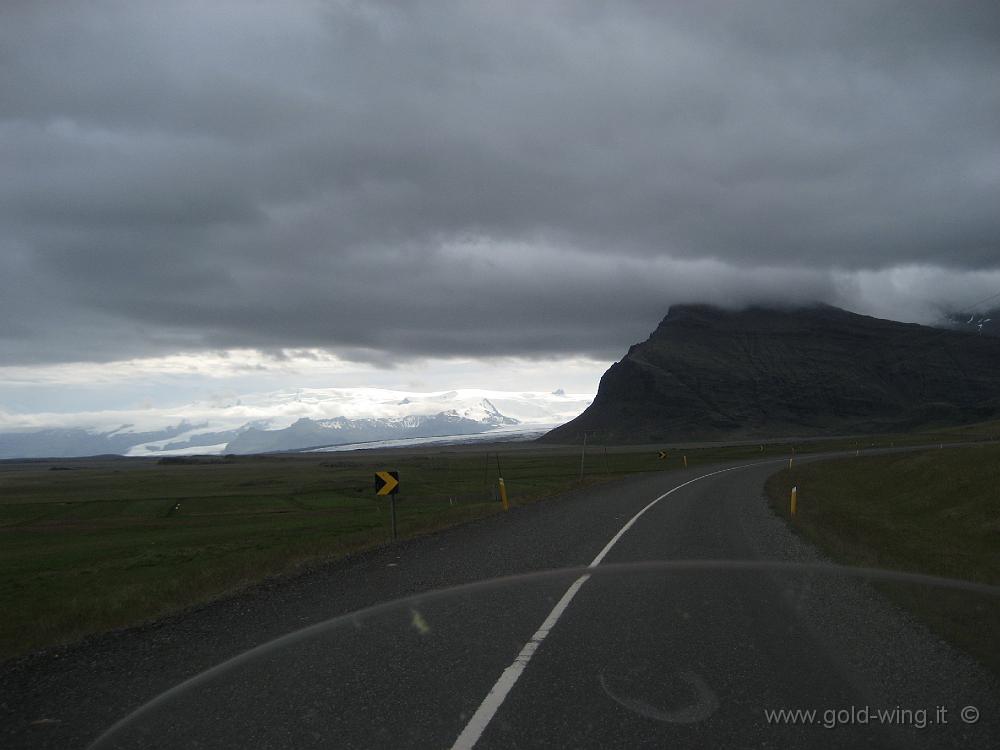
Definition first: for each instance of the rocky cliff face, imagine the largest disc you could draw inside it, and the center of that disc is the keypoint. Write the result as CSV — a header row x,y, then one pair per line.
x,y
707,373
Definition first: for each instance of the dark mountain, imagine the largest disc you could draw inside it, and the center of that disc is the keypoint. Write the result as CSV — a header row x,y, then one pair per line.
x,y
707,373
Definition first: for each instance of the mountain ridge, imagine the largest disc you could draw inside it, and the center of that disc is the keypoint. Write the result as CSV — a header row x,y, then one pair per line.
x,y
710,373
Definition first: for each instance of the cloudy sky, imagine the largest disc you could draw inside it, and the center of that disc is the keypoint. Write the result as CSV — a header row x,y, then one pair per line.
x,y
208,198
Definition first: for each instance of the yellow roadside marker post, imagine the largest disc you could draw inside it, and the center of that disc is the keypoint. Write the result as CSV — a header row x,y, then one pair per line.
x,y
789,463
794,500
503,487
503,495
685,462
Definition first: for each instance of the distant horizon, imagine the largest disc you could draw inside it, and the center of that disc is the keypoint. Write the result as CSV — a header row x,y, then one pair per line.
x,y
252,406
293,418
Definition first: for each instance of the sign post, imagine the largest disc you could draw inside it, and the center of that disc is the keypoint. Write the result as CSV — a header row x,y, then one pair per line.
x,y
387,483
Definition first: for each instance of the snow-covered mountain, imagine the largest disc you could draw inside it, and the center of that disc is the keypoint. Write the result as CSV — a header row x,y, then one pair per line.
x,y
286,420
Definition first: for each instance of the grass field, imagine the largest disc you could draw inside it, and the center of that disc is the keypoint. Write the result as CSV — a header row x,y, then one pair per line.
x,y
87,545
934,512
92,544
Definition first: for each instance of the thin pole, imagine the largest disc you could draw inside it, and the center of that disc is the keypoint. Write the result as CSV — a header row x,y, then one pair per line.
x,y
392,503
583,454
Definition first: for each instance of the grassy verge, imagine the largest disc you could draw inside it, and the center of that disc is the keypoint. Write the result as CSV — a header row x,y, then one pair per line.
x,y
935,512
88,545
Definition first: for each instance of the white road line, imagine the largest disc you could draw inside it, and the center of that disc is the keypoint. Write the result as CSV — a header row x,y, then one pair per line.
x,y
488,708
474,729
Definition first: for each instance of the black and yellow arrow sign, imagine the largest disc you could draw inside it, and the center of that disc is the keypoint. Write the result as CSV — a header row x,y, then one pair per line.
x,y
386,482
663,454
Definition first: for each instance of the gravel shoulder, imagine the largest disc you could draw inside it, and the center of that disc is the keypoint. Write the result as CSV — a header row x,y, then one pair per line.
x,y
879,651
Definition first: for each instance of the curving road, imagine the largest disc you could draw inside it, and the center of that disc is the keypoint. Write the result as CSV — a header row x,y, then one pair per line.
x,y
604,657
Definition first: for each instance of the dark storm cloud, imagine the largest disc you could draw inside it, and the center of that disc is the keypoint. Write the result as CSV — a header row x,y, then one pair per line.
x,y
463,178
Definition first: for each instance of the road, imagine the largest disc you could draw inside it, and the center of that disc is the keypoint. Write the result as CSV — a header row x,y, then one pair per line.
x,y
643,657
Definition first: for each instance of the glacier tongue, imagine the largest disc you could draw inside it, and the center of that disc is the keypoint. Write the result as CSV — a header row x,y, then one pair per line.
x,y
287,420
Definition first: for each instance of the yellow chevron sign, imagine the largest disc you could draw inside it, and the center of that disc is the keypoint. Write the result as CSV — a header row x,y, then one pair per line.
x,y
663,454
386,482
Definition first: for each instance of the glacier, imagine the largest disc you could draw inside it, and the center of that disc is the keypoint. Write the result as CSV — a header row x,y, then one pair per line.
x,y
291,419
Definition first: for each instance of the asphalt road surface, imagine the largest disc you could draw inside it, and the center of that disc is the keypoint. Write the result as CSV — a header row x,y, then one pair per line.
x,y
606,656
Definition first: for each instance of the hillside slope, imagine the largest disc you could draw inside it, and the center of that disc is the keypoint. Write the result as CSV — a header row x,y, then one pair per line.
x,y
708,373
